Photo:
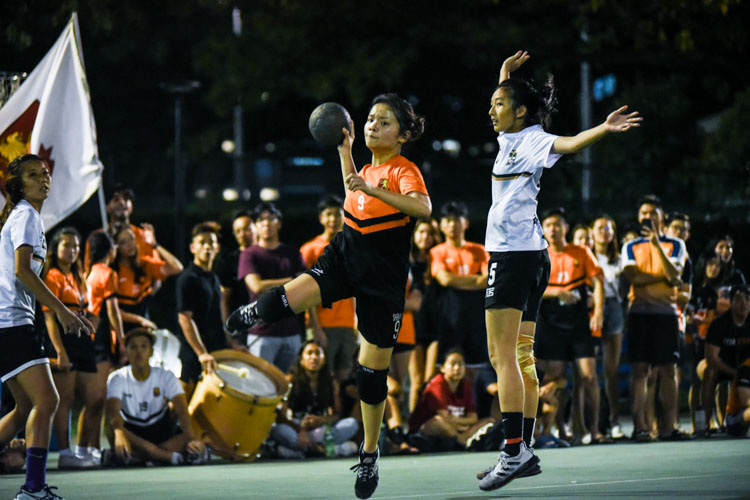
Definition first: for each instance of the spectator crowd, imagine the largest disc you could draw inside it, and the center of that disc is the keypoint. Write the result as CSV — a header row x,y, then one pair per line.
x,y
634,303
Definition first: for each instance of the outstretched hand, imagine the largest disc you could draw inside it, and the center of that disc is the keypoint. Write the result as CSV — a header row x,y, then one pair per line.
x,y
620,121
512,63
346,143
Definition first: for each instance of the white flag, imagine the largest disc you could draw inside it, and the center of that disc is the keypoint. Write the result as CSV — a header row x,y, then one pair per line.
x,y
50,115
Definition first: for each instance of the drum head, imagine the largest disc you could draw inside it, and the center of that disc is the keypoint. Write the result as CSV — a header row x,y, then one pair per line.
x,y
166,352
255,383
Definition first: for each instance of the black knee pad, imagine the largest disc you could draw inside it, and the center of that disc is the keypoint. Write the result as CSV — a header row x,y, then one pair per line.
x,y
371,384
273,305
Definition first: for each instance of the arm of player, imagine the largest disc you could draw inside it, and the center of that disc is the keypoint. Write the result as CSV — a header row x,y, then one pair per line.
x,y
71,322
414,204
123,448
190,330
179,404
511,64
345,155
617,121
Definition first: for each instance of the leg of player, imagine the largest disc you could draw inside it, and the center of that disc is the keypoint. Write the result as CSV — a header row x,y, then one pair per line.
x,y
372,373
298,295
527,364
503,327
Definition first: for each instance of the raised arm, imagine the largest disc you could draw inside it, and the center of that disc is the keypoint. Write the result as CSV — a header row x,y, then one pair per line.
x,y
511,64
345,155
617,121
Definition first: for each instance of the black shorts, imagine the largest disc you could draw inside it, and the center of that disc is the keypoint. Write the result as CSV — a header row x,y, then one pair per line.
x,y
106,349
552,343
80,350
379,312
158,432
653,338
517,280
20,348
402,348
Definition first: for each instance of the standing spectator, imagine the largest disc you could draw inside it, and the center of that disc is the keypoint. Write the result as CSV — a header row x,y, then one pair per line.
x,y
138,274
24,366
198,294
607,254
119,210
234,290
75,365
653,264
564,330
333,327
726,339
139,397
582,236
460,267
731,275
109,339
308,413
423,361
264,266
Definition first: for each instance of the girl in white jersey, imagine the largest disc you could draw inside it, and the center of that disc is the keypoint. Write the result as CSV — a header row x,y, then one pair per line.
x,y
519,264
23,364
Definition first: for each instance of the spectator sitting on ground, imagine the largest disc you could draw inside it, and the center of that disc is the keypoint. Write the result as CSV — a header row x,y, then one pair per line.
x,y
308,414
738,407
446,409
138,408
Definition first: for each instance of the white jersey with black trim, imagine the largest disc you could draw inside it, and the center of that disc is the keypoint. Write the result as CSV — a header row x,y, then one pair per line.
x,y
512,223
143,402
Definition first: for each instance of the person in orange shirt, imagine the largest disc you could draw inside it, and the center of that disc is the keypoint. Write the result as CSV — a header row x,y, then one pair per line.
x,y
653,264
119,210
460,267
333,327
75,365
564,327
368,260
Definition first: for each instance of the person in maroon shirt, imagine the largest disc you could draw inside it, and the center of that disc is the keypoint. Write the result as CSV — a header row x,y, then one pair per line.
x,y
447,408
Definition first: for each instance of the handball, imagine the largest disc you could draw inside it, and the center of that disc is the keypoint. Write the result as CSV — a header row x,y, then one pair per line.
x,y
326,122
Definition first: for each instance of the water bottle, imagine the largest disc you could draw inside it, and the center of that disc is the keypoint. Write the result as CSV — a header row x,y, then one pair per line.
x,y
329,443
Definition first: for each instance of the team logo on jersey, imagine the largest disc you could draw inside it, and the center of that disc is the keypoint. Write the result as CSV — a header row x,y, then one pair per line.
x,y
512,157
576,263
383,183
157,392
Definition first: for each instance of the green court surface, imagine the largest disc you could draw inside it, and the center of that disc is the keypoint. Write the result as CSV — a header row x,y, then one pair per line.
x,y
716,468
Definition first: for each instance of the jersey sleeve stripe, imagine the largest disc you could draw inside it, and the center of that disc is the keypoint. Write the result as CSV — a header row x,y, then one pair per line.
x,y
375,220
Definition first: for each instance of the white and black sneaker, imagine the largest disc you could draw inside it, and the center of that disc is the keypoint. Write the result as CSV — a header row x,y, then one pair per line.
x,y
509,468
367,473
45,493
242,319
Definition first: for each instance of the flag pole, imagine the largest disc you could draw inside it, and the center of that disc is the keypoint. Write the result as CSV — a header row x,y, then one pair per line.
x,y
102,206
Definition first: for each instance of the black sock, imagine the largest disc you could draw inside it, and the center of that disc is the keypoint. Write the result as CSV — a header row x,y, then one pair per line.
x,y
273,305
528,430
513,425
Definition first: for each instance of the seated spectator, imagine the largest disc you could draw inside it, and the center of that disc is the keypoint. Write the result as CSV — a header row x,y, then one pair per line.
x,y
307,424
726,337
485,390
75,363
738,407
13,457
446,408
138,408
582,236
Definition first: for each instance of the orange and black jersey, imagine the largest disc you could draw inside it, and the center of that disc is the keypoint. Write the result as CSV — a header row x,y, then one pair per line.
x,y
570,269
66,287
377,236
132,292
102,284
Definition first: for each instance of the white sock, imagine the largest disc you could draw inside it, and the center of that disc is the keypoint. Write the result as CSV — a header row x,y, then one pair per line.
x,y
176,458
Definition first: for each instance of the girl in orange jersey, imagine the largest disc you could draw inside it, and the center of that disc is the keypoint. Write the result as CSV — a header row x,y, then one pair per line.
x,y
137,277
109,340
75,369
368,260
24,366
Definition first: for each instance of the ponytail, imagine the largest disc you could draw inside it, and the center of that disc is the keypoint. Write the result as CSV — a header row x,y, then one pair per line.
x,y
540,102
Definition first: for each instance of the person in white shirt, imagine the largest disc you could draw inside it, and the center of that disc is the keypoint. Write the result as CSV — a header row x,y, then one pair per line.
x,y
24,365
519,265
138,397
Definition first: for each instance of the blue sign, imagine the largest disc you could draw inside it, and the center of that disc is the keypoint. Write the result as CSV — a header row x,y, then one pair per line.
x,y
604,86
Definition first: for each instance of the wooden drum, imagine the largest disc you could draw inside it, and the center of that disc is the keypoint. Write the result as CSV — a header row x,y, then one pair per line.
x,y
235,406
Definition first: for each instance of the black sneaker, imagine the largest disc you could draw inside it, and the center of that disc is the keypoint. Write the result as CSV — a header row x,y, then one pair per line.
x,y
367,474
242,319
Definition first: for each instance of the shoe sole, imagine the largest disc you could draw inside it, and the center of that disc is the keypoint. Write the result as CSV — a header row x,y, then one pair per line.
x,y
533,471
533,461
361,494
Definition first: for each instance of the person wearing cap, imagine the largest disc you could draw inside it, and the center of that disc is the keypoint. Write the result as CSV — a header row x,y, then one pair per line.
x,y
268,264
728,336
138,398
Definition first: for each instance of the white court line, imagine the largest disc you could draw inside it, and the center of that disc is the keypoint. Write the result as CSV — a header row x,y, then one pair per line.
x,y
566,485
